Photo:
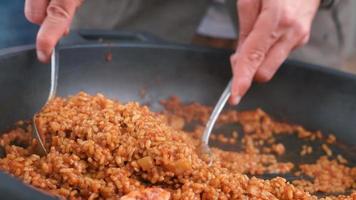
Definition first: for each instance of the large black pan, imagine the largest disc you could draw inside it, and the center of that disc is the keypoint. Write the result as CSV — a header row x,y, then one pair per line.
x,y
315,97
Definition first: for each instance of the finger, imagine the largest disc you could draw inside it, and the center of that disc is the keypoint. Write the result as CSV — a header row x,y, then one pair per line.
x,y
253,51
57,21
248,13
35,10
275,57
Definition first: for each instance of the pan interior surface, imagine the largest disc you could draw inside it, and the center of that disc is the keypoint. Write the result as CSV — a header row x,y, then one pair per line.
x,y
314,97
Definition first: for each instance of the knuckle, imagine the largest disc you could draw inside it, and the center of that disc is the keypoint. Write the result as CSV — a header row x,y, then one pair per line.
x,y
274,35
58,12
288,20
256,56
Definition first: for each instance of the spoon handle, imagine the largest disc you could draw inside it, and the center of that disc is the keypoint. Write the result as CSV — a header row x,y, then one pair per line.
x,y
40,148
54,74
216,112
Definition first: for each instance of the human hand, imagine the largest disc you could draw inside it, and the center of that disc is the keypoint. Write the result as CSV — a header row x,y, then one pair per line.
x,y
54,18
269,31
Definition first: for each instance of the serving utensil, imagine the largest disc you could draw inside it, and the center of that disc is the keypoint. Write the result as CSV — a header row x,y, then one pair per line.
x,y
204,149
41,146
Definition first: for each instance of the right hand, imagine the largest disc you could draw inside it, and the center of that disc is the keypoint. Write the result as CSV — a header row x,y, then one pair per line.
x,y
54,18
269,31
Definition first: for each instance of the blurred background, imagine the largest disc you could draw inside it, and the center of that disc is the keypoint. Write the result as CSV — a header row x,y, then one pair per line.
x,y
14,28
204,22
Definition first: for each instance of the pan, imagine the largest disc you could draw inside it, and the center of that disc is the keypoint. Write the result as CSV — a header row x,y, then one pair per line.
x,y
120,64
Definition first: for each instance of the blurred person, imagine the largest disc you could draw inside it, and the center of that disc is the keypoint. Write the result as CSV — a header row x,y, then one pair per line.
x,y
268,31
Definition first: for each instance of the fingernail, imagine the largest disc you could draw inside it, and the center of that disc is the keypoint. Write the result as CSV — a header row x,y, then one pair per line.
x,y
41,56
236,100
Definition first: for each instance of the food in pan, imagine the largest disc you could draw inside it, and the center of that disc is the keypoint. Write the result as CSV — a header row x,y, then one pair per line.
x,y
104,149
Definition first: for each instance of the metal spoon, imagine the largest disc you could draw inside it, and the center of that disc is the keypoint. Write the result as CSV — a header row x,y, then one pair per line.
x,y
207,155
40,147
204,149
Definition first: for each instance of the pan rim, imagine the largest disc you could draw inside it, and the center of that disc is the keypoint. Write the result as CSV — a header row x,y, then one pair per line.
x,y
12,51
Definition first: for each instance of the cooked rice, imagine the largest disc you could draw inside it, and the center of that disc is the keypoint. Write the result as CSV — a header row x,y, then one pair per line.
x,y
103,149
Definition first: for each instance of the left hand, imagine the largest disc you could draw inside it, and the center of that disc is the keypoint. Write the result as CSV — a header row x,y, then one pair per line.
x,y
269,31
